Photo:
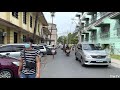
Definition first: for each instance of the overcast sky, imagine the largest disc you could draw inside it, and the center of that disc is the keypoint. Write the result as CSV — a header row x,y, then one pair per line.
x,y
63,21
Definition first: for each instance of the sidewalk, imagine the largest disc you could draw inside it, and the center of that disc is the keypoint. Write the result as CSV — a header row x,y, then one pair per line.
x,y
115,62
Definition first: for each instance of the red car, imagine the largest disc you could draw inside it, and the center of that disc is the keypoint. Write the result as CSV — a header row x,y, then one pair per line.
x,y
8,67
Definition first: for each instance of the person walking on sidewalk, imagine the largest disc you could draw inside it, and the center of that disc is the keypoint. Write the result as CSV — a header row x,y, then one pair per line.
x,y
53,51
29,63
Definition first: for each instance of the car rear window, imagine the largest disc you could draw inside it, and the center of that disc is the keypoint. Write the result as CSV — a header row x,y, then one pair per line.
x,y
36,47
41,47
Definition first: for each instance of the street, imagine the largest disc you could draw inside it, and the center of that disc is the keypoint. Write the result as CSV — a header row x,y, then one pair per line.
x,y
67,67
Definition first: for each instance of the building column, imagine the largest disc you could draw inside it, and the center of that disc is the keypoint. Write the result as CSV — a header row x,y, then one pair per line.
x,y
11,36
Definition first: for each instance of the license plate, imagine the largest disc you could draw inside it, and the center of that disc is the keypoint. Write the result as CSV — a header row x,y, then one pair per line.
x,y
99,61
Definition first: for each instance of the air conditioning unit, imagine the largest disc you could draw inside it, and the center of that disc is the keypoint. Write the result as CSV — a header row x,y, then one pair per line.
x,y
4,33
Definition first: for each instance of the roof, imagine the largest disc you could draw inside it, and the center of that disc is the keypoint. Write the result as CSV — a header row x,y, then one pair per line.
x,y
43,19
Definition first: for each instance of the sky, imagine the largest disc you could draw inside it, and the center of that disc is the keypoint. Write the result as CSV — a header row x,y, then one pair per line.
x,y
63,21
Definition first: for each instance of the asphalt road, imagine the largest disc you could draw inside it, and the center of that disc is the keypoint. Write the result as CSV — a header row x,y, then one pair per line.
x,y
67,67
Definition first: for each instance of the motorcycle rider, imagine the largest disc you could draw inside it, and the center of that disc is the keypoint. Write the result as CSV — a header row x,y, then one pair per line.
x,y
67,48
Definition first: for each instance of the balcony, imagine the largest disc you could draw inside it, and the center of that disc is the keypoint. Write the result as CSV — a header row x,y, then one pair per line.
x,y
100,23
115,15
84,32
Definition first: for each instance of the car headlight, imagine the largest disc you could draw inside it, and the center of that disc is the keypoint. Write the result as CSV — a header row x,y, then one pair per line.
x,y
108,56
88,56
16,63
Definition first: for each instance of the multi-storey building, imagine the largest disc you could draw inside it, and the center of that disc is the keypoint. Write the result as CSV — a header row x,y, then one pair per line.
x,y
16,26
102,28
53,29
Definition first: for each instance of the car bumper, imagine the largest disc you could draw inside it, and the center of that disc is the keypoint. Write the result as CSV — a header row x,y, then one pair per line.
x,y
105,61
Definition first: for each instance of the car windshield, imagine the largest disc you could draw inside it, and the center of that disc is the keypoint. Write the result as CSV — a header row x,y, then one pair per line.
x,y
91,47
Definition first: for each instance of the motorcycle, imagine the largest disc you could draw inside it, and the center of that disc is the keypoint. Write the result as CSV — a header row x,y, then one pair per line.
x,y
67,51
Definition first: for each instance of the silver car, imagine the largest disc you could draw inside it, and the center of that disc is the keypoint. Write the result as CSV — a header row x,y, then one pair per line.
x,y
12,50
90,54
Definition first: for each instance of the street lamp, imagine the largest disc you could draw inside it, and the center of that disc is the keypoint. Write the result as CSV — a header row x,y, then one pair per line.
x,y
52,15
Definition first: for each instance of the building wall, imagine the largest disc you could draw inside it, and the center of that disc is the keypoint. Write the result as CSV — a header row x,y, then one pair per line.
x,y
113,39
18,22
54,34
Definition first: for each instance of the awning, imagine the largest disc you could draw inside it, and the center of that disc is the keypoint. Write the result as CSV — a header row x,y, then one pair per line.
x,y
101,23
115,15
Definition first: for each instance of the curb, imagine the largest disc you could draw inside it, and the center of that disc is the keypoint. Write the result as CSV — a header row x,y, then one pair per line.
x,y
115,64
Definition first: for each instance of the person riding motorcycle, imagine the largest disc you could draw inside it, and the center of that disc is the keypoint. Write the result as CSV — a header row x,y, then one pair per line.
x,y
67,48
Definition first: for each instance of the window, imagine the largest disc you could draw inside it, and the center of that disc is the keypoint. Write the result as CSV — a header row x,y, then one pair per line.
x,y
41,47
31,21
118,31
15,14
87,21
17,48
15,37
24,17
90,47
105,28
24,38
6,49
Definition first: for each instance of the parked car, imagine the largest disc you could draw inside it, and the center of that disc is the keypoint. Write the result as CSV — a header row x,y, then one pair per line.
x,y
42,49
12,49
35,46
49,50
8,67
89,54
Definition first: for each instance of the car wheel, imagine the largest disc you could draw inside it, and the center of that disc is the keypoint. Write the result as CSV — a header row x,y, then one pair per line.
x,y
5,73
76,58
82,62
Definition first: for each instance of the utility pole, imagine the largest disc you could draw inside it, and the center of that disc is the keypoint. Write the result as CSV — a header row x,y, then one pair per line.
x,y
52,15
79,32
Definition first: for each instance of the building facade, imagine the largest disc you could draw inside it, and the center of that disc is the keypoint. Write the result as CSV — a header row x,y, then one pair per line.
x,y
53,29
101,28
15,27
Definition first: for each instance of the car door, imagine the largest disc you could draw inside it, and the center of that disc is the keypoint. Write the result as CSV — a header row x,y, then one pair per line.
x,y
76,51
79,51
5,49
16,49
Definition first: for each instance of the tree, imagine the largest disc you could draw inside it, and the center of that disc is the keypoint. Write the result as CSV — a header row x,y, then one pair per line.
x,y
60,39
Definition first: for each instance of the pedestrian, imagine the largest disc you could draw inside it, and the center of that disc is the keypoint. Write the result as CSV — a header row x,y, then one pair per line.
x,y
29,63
53,51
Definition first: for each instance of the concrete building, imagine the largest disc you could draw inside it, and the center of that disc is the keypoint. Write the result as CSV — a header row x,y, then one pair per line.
x,y
54,35
102,28
16,26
